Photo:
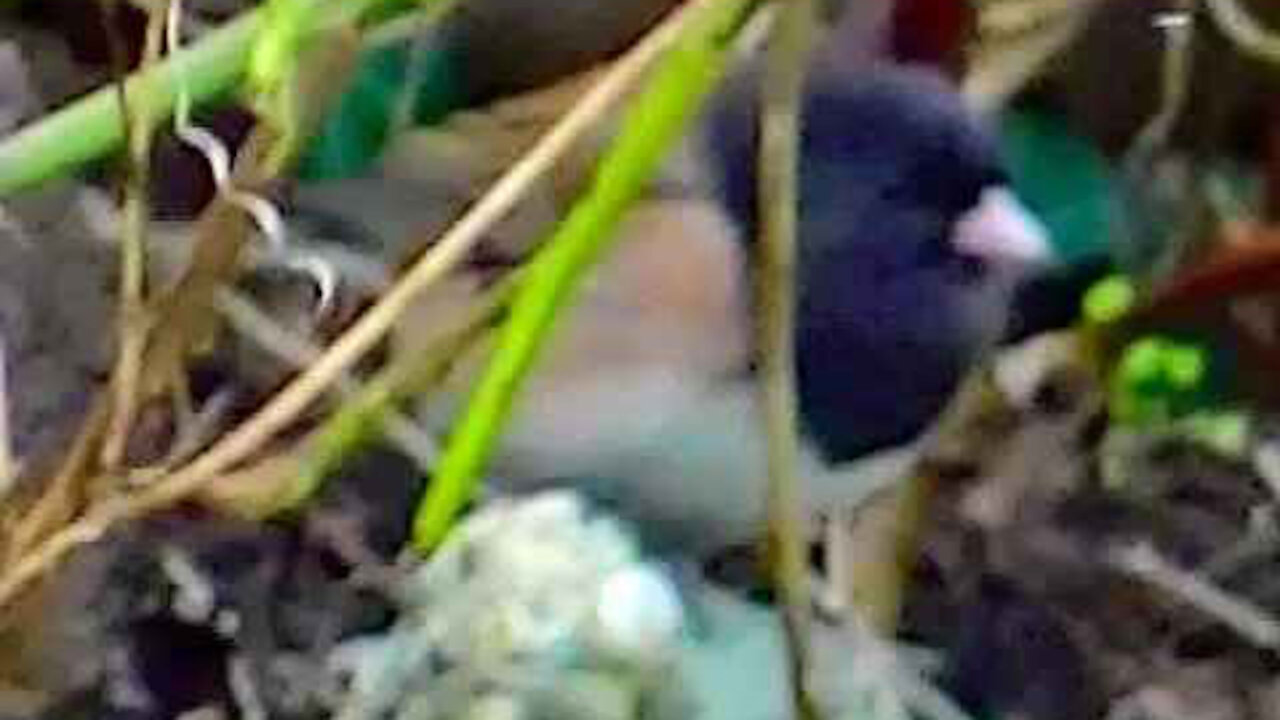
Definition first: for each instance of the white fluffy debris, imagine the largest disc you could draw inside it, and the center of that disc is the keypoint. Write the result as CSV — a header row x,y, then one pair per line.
x,y
538,609
534,608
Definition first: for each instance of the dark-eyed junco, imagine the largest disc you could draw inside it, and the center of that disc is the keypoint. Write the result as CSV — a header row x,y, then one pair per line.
x,y
911,245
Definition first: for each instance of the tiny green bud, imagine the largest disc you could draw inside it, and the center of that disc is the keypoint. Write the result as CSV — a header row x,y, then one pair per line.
x,y
1109,300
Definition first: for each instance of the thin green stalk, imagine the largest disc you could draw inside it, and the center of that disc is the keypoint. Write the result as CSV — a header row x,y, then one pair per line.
x,y
92,127
655,120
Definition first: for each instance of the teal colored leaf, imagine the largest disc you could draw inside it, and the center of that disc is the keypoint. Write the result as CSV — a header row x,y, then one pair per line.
x,y
354,134
1065,180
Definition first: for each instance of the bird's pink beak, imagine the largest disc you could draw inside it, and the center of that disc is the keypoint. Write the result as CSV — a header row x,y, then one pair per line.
x,y
1002,231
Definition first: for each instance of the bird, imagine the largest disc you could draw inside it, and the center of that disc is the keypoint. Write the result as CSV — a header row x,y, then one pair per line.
x,y
911,245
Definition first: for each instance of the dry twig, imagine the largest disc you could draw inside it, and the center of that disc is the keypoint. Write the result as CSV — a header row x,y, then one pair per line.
x,y
887,532
246,318
1018,40
788,60
8,462
1242,29
1250,622
132,324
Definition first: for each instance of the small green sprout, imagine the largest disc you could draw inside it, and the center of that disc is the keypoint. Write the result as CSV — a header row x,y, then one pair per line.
x,y
1158,378
1109,300
1185,365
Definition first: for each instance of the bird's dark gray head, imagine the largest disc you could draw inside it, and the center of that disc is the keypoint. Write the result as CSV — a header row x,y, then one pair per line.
x,y
910,246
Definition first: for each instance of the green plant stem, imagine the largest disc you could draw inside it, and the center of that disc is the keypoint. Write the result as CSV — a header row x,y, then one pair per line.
x,y
92,127
654,121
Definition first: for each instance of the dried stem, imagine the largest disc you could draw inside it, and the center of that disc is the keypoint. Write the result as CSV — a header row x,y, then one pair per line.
x,y
1242,29
299,351
1247,620
132,322
1015,44
365,416
65,493
8,461
1024,16
1141,159
779,159
885,538
63,496
451,249
1175,82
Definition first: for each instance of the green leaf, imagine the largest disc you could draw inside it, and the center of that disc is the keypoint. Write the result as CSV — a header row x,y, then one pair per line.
x,y
1109,300
1163,377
